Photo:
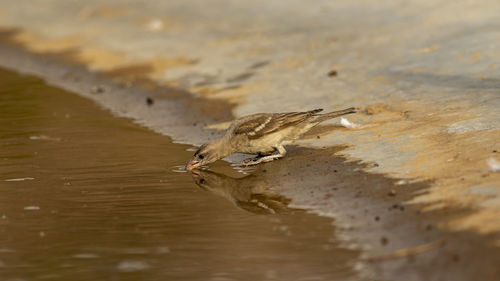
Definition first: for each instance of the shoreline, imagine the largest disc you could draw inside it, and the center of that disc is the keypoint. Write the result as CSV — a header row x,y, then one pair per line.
x,y
403,226
121,97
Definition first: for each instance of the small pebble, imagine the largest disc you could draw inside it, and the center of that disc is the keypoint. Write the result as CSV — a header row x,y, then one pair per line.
x,y
384,241
98,89
332,73
377,218
392,192
150,101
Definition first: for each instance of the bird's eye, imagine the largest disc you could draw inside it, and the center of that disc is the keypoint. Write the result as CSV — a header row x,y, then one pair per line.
x,y
202,181
201,156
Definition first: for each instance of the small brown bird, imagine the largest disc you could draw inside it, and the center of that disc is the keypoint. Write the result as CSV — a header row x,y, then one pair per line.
x,y
263,134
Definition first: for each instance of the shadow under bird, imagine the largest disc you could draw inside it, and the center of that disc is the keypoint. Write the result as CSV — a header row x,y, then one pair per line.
x,y
263,134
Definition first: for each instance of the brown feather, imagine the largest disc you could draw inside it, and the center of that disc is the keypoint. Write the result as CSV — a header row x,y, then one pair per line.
x,y
264,124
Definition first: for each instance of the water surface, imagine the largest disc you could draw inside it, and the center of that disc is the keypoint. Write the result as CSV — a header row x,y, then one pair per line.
x,y
87,196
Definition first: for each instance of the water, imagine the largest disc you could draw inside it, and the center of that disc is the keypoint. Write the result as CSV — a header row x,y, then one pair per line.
x,y
87,196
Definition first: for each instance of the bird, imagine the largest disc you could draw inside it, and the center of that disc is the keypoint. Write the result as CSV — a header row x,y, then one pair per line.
x,y
264,134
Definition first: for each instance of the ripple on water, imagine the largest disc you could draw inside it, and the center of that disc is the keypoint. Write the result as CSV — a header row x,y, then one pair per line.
x,y
179,169
85,256
132,266
20,179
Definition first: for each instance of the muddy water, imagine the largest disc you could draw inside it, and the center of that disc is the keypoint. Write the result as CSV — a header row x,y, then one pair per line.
x,y
86,196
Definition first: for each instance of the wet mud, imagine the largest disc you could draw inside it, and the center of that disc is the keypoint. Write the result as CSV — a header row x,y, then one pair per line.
x,y
400,241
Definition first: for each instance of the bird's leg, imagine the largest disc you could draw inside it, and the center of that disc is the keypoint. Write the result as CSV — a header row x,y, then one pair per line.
x,y
279,153
249,160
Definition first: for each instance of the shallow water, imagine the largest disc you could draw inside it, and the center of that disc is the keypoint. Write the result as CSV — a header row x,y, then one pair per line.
x,y
87,196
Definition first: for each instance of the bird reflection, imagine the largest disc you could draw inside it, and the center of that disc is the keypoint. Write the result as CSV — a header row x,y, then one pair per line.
x,y
250,193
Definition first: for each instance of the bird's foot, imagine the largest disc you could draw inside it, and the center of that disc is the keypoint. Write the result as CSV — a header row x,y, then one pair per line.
x,y
251,161
258,160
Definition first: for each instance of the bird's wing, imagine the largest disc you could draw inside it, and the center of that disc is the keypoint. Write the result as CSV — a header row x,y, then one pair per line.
x,y
259,125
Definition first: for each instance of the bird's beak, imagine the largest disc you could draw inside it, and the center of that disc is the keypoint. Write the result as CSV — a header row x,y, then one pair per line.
x,y
192,164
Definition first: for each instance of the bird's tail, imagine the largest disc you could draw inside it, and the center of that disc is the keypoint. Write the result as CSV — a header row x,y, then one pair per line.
x,y
333,114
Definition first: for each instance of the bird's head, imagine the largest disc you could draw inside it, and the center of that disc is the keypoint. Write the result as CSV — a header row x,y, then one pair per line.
x,y
206,154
